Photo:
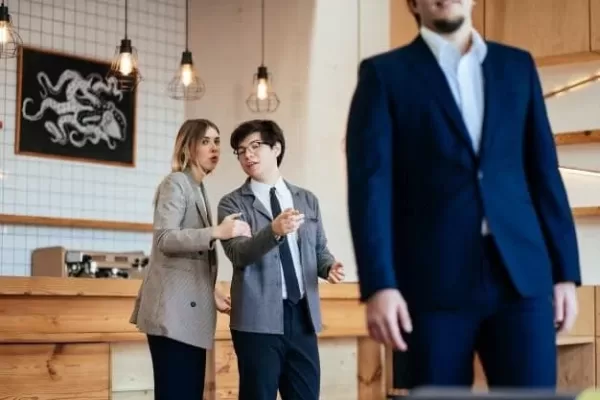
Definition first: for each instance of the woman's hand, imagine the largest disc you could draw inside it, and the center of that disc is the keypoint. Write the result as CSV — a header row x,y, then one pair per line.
x,y
223,302
231,227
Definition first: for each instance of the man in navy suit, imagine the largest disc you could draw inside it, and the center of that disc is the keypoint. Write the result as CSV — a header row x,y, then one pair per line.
x,y
463,234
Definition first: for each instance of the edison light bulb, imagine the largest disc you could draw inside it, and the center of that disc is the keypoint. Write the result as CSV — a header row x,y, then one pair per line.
x,y
186,74
262,89
125,63
4,35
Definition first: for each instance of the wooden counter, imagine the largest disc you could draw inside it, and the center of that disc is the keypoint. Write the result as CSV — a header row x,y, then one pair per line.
x,y
70,338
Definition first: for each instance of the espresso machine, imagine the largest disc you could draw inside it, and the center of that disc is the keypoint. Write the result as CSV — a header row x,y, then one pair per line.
x,y
66,263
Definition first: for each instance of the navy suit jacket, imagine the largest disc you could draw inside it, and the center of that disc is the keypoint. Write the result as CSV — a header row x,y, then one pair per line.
x,y
417,190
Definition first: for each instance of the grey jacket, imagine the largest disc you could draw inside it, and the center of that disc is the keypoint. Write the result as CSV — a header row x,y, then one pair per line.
x,y
176,298
256,285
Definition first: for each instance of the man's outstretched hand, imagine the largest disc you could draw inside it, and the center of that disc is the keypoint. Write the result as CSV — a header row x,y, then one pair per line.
x,y
387,317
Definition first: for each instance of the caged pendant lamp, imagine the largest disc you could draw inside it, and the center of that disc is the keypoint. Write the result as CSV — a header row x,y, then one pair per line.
x,y
125,63
186,84
10,41
262,98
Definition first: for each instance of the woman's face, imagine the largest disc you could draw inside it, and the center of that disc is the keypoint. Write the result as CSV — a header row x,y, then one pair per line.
x,y
208,151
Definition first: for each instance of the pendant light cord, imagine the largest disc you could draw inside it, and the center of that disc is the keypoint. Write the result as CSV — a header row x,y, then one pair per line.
x,y
262,20
187,20
126,8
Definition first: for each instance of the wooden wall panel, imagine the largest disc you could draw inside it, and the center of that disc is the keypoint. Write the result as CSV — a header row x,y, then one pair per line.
x,y
44,316
576,367
131,368
595,28
540,26
54,372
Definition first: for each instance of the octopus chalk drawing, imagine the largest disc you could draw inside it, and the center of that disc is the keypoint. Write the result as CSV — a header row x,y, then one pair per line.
x,y
84,116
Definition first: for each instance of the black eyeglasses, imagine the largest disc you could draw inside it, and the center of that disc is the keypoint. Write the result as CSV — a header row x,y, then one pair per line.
x,y
252,147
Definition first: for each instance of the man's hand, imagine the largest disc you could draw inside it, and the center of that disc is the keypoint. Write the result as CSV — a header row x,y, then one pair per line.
x,y
287,222
387,315
565,306
223,302
336,273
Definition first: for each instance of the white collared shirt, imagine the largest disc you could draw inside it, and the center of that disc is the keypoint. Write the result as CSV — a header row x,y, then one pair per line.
x,y
262,193
464,75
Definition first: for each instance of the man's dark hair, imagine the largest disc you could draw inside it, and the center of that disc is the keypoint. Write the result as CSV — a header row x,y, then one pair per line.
x,y
270,134
417,18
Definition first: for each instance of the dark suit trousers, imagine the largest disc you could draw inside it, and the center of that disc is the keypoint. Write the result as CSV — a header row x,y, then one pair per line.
x,y
179,369
289,362
514,336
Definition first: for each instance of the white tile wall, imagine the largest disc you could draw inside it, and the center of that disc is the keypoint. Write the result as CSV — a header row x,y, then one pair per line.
x,y
37,186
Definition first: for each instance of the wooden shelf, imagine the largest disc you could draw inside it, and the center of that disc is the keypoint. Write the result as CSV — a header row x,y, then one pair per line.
x,y
581,137
581,212
575,58
32,220
574,340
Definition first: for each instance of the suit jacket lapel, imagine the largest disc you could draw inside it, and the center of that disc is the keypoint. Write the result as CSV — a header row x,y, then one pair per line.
x,y
256,203
493,98
428,69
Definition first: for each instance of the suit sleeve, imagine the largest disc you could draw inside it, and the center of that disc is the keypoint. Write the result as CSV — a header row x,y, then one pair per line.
x,y
243,251
168,215
369,147
324,257
547,188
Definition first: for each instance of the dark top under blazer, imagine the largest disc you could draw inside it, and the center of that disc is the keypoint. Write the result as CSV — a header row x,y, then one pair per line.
x,y
417,190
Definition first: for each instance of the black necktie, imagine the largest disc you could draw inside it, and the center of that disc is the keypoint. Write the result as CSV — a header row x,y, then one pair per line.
x,y
285,254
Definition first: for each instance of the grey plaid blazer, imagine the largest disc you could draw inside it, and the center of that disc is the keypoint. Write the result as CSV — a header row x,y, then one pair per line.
x,y
176,298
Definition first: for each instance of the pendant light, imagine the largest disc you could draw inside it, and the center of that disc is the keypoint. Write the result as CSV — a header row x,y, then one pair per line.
x,y
125,63
10,41
186,84
262,98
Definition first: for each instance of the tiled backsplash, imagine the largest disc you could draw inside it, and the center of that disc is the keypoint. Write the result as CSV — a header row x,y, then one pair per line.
x,y
67,189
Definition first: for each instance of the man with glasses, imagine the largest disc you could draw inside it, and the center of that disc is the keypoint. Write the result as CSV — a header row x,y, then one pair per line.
x,y
275,310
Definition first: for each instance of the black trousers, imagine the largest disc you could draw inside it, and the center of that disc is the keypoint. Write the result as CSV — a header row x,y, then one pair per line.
x,y
179,369
288,362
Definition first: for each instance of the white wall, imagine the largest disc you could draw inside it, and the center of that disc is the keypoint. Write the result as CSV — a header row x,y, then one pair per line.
x,y
577,111
312,48
58,188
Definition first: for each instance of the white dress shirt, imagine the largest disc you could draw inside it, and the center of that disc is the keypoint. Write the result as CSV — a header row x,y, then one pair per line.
x,y
262,193
464,75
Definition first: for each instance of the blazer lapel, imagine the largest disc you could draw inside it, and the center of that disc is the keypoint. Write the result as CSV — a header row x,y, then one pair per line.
x,y
428,69
206,204
196,193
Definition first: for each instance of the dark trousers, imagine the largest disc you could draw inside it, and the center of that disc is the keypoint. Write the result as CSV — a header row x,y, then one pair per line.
x,y
514,336
289,362
179,369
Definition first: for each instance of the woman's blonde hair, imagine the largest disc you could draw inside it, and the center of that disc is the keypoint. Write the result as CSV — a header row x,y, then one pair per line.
x,y
190,134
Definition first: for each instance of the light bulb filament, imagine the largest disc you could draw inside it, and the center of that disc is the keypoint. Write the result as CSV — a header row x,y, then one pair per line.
x,y
262,89
4,33
187,74
125,63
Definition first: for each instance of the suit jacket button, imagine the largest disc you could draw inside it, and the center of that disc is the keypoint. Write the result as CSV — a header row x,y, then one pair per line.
x,y
193,304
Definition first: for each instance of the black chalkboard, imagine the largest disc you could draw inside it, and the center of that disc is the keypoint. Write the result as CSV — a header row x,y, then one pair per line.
x,y
67,108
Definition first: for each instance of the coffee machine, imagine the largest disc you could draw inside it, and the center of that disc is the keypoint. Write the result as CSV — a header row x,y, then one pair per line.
x,y
67,263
